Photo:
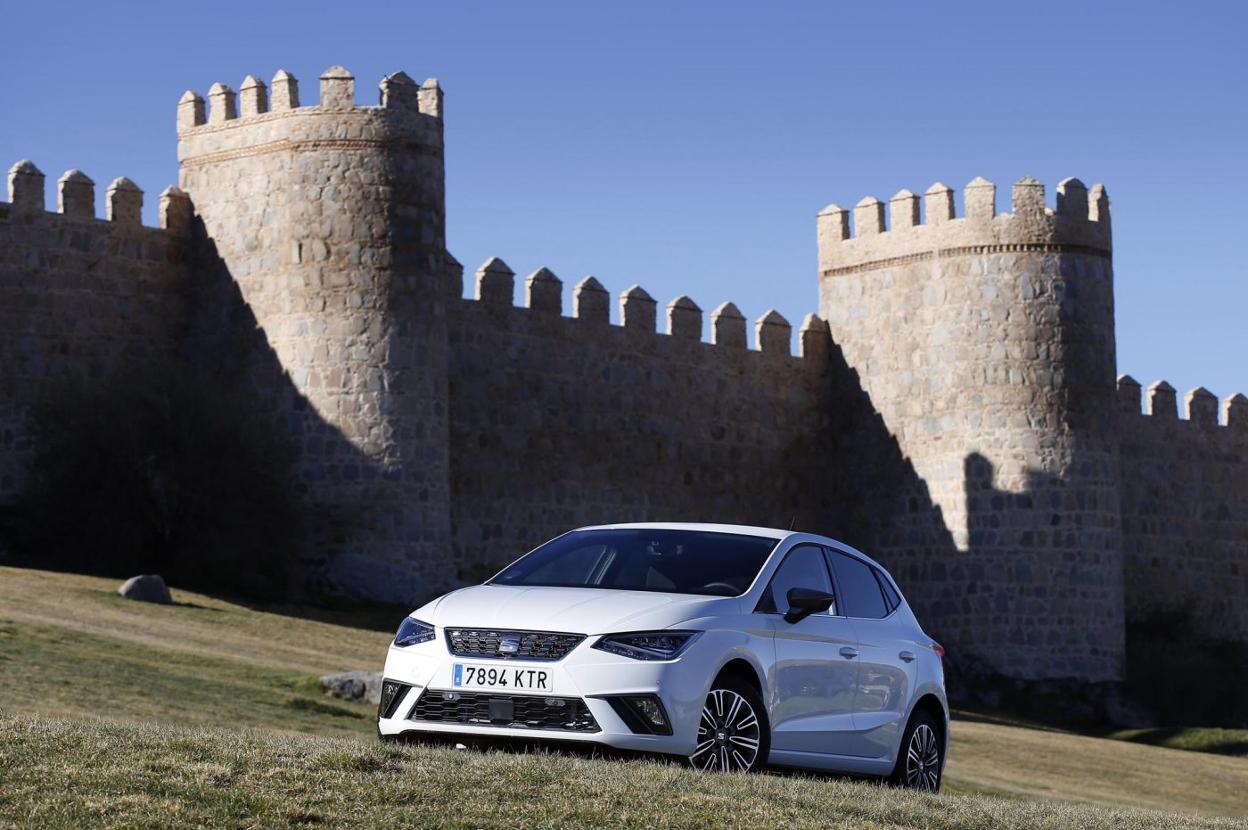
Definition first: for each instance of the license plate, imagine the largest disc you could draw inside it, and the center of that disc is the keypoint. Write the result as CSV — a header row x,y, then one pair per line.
x,y
517,678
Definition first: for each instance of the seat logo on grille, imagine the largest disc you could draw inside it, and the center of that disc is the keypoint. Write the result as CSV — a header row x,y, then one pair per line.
x,y
509,644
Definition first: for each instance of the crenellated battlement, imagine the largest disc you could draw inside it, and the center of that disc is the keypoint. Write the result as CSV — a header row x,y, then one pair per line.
x,y
874,234
252,105
75,200
773,335
1201,407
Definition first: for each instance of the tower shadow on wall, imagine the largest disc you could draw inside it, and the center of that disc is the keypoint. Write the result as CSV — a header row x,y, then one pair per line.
x,y
199,462
224,341
881,504
884,507
1034,561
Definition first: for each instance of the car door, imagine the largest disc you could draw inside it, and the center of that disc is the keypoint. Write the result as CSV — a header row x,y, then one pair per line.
x,y
886,662
813,679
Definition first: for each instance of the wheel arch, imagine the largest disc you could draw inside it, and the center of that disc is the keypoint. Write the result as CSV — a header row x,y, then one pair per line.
x,y
742,668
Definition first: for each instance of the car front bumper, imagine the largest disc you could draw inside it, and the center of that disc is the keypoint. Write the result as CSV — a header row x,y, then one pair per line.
x,y
584,674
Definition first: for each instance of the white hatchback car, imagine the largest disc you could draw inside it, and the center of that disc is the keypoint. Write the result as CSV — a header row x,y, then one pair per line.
x,y
733,647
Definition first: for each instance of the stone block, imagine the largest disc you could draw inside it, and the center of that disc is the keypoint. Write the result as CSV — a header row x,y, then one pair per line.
x,y
728,326
146,588
684,319
544,292
591,302
637,309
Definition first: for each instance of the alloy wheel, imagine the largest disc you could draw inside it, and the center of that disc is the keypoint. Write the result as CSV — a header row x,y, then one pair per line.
x,y
923,760
728,734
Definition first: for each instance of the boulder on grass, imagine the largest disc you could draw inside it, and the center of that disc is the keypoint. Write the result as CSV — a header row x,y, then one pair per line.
x,y
354,685
146,588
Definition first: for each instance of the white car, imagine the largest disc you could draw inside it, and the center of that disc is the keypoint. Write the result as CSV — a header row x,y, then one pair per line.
x,y
733,647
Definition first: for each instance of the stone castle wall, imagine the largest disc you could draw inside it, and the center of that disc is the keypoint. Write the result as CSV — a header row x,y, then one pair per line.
x,y
558,422
81,298
956,416
1185,507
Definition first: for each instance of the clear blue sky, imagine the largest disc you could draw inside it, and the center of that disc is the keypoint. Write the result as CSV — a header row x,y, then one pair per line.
x,y
688,146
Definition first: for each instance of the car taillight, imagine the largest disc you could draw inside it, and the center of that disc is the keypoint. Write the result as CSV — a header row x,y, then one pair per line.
x,y
940,651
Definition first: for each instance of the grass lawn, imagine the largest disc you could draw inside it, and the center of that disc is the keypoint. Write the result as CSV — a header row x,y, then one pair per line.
x,y
1194,739
145,775
208,713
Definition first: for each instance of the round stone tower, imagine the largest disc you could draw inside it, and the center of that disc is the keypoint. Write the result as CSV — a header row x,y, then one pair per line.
x,y
327,222
986,344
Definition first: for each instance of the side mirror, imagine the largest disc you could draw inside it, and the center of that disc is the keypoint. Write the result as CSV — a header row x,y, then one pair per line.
x,y
806,601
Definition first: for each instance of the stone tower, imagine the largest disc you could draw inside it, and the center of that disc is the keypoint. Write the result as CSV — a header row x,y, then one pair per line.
x,y
986,343
329,219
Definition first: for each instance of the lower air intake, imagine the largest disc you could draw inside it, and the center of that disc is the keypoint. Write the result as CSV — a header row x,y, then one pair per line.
x,y
567,714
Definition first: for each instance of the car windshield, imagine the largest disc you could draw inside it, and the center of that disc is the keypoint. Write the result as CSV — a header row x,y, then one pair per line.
x,y
638,559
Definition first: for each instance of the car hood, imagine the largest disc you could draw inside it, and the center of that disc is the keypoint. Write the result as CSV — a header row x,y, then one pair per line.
x,y
576,610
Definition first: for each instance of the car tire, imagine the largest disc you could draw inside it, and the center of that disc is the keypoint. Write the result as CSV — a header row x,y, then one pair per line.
x,y
921,755
734,734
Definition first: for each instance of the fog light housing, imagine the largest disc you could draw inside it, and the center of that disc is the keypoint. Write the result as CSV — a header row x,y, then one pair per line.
x,y
642,714
392,693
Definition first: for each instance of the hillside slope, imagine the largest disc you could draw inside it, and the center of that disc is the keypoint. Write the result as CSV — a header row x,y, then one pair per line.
x,y
144,775
71,648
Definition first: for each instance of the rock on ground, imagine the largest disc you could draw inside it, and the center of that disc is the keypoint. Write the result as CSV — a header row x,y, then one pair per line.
x,y
146,588
354,685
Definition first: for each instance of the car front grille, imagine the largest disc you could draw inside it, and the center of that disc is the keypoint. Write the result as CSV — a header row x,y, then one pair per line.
x,y
513,645
567,714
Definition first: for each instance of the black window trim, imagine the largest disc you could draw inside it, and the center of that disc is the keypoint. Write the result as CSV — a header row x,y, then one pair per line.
x,y
875,571
827,566
884,587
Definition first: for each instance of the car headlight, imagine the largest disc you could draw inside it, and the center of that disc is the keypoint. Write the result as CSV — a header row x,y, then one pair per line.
x,y
648,645
413,631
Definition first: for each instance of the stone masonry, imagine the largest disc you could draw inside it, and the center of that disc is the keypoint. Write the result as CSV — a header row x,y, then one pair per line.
x,y
953,410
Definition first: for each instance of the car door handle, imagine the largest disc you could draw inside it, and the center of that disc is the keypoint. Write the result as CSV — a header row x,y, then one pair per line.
x,y
849,652
908,656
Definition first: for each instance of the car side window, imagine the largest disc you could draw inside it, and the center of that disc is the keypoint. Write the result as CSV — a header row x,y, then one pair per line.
x,y
803,567
860,593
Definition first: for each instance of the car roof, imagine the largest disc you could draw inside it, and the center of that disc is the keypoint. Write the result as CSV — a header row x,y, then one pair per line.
x,y
740,530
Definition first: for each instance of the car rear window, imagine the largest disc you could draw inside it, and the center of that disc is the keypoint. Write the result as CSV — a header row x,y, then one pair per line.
x,y
860,593
635,559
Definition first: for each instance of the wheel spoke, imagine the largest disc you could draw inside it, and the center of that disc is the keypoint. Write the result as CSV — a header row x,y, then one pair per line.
x,y
923,760
729,733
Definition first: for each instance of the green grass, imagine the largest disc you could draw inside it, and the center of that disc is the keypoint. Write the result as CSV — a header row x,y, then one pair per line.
x,y
209,713
1218,740
1232,742
59,671
188,777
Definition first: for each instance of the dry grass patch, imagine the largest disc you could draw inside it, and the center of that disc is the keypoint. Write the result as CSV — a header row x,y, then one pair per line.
x,y
134,775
